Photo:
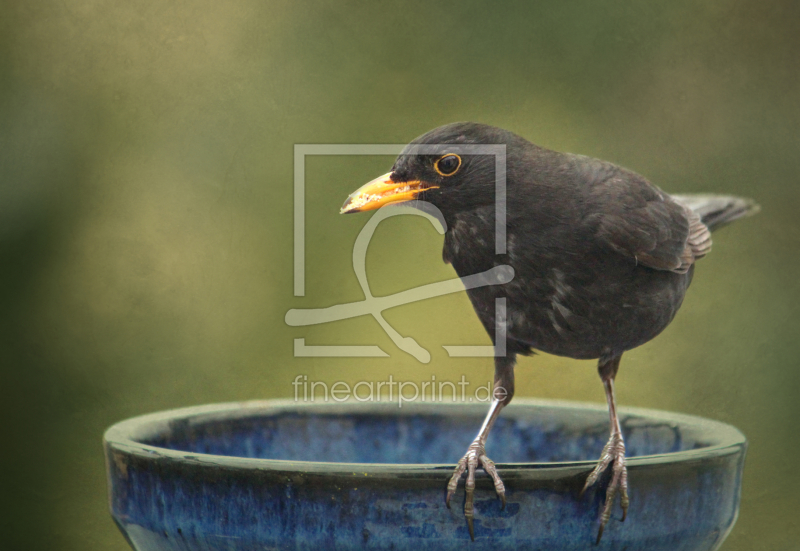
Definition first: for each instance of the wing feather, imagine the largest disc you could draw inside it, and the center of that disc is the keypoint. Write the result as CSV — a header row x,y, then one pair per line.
x,y
638,220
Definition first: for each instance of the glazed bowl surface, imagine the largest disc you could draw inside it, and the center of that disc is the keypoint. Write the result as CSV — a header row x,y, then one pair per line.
x,y
285,475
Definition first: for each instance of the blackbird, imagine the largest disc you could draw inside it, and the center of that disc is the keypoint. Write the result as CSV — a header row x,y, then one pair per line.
x,y
602,259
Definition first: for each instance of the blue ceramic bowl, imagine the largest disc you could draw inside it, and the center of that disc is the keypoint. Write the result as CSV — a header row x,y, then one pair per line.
x,y
282,475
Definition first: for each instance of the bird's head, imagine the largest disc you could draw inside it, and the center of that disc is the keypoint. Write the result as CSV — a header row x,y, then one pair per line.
x,y
442,167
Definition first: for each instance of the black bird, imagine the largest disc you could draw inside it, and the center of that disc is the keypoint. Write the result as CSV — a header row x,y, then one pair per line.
x,y
602,259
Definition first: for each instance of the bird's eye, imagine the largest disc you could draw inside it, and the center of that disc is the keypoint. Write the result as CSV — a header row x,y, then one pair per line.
x,y
447,165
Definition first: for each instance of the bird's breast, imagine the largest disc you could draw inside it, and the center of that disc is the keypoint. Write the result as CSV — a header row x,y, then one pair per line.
x,y
565,298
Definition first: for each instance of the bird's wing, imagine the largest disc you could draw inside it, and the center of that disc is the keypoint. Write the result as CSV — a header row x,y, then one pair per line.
x,y
638,220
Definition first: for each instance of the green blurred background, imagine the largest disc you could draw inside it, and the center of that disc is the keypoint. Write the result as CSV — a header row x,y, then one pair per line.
x,y
146,169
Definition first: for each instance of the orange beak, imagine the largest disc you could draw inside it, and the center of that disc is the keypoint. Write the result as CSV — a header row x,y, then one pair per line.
x,y
382,191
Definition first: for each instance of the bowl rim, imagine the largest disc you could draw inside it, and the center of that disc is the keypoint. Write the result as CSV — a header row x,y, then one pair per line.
x,y
122,437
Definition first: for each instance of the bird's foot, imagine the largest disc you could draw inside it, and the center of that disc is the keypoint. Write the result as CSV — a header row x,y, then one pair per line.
x,y
476,455
613,452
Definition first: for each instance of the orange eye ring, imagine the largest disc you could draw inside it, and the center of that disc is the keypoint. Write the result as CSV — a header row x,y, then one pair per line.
x,y
444,164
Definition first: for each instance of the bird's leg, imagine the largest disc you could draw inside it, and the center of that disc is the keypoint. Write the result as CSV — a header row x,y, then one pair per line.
x,y
476,453
614,450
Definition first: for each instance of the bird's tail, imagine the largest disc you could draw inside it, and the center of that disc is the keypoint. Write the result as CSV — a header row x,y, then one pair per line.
x,y
717,210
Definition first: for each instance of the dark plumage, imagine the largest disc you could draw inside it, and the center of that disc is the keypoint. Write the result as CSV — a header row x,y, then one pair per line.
x,y
602,258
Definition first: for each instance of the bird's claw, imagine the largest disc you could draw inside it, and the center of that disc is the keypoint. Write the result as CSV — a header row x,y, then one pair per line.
x,y
476,455
613,452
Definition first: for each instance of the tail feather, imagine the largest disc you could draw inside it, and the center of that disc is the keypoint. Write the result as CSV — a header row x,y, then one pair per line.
x,y
716,211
